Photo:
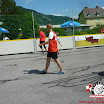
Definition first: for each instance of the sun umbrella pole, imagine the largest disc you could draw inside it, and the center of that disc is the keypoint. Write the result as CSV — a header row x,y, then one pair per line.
x,y
73,32
0,33
35,48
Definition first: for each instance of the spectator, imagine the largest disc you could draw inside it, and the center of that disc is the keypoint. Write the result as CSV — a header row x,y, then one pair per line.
x,y
42,39
102,30
57,34
5,38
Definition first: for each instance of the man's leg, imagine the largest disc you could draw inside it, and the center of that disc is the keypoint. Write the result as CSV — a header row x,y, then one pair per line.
x,y
59,64
45,48
41,47
47,63
42,50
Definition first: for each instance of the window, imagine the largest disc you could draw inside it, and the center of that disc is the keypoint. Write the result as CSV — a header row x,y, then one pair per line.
x,y
90,20
97,14
88,14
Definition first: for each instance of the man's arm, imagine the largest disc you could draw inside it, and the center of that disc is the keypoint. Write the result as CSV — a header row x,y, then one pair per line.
x,y
51,35
47,42
59,43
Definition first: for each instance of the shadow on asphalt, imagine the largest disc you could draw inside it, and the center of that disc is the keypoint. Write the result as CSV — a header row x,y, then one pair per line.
x,y
36,72
85,79
99,73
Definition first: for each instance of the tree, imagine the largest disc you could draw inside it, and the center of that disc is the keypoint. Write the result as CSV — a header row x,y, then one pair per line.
x,y
8,7
14,19
95,30
27,26
12,23
60,30
16,22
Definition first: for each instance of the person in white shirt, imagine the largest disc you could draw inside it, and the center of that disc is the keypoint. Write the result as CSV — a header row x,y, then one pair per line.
x,y
57,34
5,38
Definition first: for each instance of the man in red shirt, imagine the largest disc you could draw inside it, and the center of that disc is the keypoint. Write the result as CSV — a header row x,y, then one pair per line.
x,y
42,38
52,50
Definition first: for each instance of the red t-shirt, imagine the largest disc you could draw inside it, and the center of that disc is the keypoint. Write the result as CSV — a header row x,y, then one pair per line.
x,y
42,36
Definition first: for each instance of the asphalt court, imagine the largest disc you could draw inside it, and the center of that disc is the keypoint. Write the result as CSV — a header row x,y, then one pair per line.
x,y
21,82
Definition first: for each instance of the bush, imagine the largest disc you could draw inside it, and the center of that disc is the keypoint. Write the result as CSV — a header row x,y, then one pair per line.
x,y
95,30
60,30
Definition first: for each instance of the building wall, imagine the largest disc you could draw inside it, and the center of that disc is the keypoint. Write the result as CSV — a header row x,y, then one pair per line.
x,y
94,21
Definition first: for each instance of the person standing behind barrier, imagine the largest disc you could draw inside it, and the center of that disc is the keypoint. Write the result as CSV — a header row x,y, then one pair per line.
x,y
52,50
57,34
5,38
42,39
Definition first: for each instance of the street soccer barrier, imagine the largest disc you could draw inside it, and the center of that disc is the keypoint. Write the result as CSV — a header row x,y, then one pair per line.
x,y
27,45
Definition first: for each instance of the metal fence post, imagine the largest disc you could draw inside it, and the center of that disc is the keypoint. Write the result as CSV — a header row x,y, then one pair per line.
x,y
35,45
73,32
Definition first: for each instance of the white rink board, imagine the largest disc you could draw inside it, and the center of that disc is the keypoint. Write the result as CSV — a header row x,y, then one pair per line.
x,y
25,46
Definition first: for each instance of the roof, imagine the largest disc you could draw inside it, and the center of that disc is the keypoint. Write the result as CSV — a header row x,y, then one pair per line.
x,y
93,12
82,25
44,26
85,25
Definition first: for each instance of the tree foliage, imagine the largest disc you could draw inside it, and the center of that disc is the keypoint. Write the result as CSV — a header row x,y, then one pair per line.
x,y
43,19
60,30
16,22
8,7
82,18
95,30
19,23
27,26
11,23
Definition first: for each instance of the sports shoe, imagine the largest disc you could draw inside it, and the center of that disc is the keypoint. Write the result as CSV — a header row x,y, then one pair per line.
x,y
43,72
60,72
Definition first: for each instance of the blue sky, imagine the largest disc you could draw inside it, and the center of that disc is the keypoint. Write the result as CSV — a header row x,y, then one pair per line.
x,y
59,7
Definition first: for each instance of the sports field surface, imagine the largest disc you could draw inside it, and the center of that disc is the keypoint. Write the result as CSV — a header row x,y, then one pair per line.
x,y
21,82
